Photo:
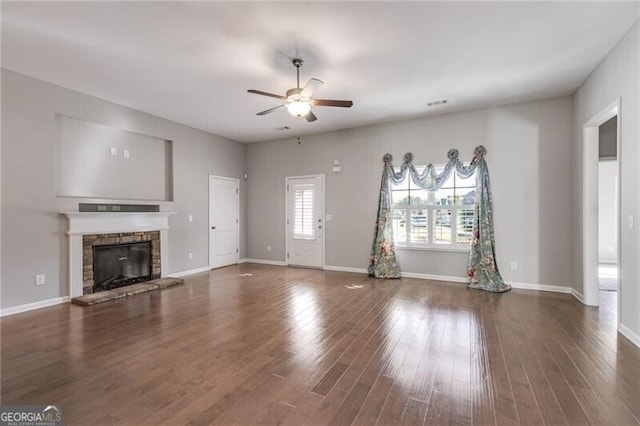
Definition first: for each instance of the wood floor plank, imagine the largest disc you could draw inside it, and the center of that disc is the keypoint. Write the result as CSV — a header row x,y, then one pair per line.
x,y
300,346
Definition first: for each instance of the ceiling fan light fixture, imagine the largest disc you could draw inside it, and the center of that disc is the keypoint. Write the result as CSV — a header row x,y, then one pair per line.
x,y
299,108
299,100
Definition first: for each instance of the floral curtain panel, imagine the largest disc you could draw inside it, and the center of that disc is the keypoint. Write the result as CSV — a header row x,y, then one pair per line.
x,y
482,270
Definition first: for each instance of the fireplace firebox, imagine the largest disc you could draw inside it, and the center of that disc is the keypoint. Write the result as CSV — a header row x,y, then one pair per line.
x,y
117,265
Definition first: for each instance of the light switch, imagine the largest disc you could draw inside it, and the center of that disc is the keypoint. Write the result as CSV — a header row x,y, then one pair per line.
x,y
190,218
630,222
114,151
125,153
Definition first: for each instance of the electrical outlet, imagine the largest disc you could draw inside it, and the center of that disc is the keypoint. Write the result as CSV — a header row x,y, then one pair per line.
x,y
268,249
40,279
190,256
125,153
514,265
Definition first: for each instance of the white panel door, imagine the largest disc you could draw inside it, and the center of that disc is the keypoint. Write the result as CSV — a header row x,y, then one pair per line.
x,y
223,221
305,224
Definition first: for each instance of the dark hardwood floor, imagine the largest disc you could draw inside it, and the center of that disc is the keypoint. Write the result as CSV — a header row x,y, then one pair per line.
x,y
293,346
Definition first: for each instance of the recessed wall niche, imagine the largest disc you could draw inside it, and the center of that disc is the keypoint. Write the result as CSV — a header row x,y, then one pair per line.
x,y
98,161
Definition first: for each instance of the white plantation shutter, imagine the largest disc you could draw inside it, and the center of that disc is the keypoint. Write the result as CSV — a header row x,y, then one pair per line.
x,y
303,220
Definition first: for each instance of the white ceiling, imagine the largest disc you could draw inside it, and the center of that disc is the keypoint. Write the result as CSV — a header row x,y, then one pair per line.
x,y
192,62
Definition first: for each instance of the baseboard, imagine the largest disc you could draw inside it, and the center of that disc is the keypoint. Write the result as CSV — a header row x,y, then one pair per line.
x,y
626,332
32,306
433,277
575,293
266,262
540,287
515,285
243,260
404,274
190,272
345,269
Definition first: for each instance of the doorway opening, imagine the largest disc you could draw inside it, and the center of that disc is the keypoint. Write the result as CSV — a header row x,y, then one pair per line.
x,y
601,209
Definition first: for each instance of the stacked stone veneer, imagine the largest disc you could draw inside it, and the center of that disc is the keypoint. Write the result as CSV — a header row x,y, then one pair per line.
x,y
90,240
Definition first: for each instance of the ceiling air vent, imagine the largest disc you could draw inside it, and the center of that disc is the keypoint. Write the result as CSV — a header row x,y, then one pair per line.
x,y
436,103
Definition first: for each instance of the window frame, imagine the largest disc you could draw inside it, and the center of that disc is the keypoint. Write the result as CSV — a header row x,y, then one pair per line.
x,y
429,209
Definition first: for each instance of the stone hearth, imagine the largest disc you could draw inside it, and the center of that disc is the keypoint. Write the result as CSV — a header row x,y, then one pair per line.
x,y
126,291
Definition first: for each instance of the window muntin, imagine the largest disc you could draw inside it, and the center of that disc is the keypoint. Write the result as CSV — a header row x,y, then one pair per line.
x,y
439,219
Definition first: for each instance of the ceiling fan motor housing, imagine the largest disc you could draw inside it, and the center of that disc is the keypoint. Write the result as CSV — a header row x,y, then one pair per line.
x,y
297,101
294,95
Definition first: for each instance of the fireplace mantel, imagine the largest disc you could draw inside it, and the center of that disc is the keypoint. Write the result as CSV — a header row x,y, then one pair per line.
x,y
82,223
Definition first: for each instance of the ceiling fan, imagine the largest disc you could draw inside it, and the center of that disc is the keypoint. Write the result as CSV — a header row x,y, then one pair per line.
x,y
299,100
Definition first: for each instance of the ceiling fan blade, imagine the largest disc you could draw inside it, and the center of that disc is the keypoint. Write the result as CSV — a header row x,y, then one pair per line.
x,y
331,103
270,110
310,116
260,92
311,86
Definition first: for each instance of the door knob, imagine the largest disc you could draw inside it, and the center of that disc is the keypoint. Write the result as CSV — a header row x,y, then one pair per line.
x,y
213,227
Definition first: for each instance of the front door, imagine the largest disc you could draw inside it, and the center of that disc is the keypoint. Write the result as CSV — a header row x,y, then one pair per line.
x,y
305,221
223,221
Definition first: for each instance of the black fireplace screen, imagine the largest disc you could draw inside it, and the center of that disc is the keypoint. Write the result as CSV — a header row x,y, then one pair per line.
x,y
121,264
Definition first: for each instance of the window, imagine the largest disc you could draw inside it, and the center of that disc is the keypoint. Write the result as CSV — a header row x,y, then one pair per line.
x,y
441,219
303,226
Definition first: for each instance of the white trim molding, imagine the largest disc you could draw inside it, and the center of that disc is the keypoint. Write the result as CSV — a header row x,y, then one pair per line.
x,y
540,287
190,272
345,269
35,305
82,223
433,277
575,293
626,332
266,262
446,278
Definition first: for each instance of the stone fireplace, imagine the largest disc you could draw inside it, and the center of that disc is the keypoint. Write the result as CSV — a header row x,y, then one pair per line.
x,y
88,230
114,260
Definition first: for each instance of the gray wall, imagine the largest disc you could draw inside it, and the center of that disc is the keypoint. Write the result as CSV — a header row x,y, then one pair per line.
x,y
608,138
86,166
33,233
615,77
529,150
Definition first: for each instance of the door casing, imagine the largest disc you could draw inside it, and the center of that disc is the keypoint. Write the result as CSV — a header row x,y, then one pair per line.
x,y
321,214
